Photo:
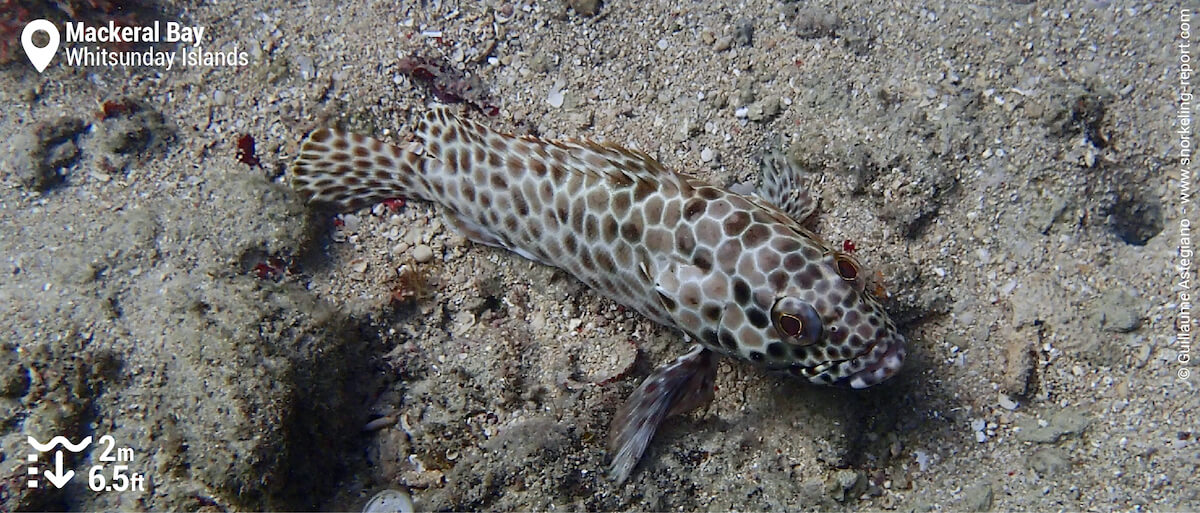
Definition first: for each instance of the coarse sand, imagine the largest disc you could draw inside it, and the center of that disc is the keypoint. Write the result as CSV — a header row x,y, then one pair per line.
x,y
1010,171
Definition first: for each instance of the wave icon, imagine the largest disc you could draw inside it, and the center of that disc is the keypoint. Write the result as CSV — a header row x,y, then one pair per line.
x,y
60,440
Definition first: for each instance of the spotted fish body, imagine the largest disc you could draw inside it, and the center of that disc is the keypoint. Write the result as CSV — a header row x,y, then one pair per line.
x,y
735,273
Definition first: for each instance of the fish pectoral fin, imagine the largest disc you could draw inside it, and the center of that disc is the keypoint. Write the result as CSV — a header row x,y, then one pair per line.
x,y
677,387
481,234
473,231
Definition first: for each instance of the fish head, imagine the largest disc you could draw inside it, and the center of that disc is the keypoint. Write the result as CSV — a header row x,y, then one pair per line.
x,y
821,323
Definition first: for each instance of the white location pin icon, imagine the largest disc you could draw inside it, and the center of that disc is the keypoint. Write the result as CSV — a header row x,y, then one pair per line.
x,y
40,57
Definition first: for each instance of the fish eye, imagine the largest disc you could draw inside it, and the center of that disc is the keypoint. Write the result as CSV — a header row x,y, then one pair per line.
x,y
846,266
797,321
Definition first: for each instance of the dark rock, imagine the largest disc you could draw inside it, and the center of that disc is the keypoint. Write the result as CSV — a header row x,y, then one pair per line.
x,y
38,155
14,377
1020,361
141,131
745,33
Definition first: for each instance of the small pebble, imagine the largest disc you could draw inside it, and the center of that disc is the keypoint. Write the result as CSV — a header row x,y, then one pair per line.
x,y
555,99
422,253
723,44
1008,287
305,65
555,96
706,155
847,478
978,424
380,423
923,460
765,109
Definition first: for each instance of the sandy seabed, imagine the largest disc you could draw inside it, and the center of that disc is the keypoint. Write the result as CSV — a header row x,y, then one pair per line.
x,y
1011,172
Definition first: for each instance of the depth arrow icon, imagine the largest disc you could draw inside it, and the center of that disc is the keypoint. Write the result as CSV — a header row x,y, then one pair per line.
x,y
58,477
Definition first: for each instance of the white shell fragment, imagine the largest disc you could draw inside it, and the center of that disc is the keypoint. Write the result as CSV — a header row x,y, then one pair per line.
x,y
390,501
555,96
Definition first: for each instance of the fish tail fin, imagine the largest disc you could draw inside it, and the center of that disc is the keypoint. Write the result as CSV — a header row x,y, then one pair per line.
x,y
350,171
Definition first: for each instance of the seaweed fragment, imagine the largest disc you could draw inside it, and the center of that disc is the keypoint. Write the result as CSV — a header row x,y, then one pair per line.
x,y
411,286
245,151
447,84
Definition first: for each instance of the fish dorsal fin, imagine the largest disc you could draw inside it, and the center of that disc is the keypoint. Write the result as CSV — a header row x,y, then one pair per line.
x,y
625,167
784,187
450,139
635,163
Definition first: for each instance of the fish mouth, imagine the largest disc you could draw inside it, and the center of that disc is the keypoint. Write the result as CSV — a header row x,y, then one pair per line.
x,y
876,365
